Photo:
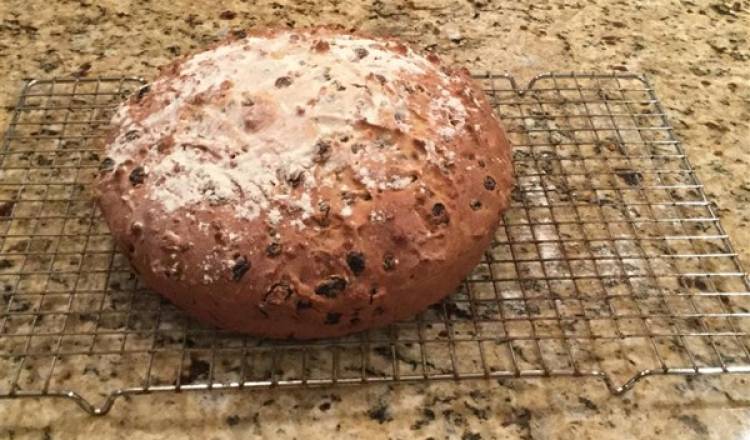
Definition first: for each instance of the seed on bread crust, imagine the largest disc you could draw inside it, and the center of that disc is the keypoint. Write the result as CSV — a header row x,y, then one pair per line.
x,y
331,287
356,262
240,268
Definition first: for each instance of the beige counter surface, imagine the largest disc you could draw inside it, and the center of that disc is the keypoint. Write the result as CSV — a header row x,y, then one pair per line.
x,y
697,55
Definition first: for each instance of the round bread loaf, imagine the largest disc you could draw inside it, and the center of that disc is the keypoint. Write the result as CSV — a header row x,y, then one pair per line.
x,y
305,183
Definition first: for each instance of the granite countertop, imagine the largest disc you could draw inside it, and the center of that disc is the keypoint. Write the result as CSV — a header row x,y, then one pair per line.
x,y
697,56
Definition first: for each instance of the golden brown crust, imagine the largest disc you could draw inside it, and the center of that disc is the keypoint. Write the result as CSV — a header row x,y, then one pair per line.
x,y
375,252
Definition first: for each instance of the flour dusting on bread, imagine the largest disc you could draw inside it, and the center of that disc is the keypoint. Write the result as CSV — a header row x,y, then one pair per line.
x,y
259,122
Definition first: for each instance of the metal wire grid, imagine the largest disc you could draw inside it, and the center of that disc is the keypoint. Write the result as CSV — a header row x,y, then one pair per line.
x,y
610,263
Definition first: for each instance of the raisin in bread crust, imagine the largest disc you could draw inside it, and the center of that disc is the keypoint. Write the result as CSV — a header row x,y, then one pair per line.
x,y
306,183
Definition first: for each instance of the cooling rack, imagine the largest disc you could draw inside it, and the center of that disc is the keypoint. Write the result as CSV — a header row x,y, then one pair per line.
x,y
610,263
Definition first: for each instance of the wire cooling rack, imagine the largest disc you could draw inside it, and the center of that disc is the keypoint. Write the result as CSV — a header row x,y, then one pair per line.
x,y
610,263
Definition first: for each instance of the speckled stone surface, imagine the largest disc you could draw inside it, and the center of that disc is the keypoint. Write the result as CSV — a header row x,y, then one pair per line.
x,y
697,56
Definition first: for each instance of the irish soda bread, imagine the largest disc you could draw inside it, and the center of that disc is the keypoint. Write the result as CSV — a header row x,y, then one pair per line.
x,y
306,183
